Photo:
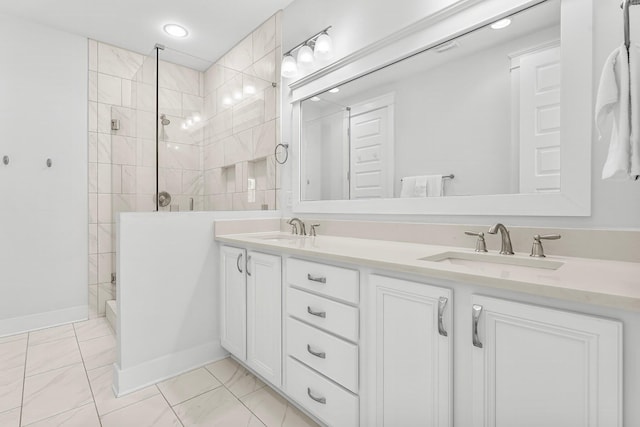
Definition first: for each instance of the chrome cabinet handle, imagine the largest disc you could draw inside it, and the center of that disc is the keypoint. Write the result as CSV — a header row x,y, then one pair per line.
x,y
320,354
442,303
238,262
322,314
317,399
476,311
247,267
319,279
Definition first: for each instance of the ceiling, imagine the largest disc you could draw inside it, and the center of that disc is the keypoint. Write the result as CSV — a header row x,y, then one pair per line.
x,y
215,26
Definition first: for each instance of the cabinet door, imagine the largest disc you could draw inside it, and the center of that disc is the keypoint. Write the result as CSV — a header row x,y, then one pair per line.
x,y
233,295
412,352
264,316
543,367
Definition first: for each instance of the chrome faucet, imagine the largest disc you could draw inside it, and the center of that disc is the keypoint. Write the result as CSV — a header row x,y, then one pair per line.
x,y
506,248
293,221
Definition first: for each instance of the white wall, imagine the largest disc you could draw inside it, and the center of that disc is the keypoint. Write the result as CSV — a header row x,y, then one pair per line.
x,y
168,307
43,211
357,23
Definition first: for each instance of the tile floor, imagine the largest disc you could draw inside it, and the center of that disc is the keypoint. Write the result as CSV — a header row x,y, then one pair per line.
x,y
62,377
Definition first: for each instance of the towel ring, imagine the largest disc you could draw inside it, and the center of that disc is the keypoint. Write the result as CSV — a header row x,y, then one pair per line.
x,y
280,150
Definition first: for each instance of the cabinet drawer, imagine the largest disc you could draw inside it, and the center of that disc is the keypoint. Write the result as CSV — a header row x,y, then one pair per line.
x,y
336,282
335,358
340,319
327,401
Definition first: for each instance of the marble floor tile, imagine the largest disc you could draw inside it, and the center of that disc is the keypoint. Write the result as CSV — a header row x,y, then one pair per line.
x,y
10,418
94,328
101,381
52,355
216,408
151,412
11,388
13,353
98,352
16,337
236,378
178,389
55,392
84,416
51,334
274,410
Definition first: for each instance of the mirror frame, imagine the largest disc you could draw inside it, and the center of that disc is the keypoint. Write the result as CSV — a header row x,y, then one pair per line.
x,y
574,198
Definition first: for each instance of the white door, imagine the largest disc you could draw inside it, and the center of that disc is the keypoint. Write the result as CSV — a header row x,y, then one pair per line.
x,y
411,354
371,152
264,316
233,295
540,121
543,367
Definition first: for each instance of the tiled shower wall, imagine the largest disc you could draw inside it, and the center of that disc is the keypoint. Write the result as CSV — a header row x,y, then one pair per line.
x,y
224,161
122,162
242,114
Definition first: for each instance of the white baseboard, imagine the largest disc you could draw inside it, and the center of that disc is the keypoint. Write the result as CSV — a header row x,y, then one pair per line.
x,y
128,380
17,325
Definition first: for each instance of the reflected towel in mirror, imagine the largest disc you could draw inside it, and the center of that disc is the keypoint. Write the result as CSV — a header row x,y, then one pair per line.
x,y
421,186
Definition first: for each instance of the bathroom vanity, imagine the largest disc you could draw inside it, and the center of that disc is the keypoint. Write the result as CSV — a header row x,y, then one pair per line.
x,y
362,332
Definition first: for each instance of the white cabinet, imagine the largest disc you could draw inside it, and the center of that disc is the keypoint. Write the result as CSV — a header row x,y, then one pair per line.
x,y
409,330
264,315
233,295
534,366
251,310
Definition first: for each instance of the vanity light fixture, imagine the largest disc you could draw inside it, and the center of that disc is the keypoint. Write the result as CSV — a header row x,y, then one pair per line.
x,y
175,30
503,23
334,90
315,99
319,47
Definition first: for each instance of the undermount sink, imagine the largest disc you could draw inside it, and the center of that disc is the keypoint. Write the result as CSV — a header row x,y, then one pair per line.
x,y
494,262
278,237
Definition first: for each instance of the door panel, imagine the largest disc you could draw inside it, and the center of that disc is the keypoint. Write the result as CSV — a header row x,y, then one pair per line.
x,y
233,301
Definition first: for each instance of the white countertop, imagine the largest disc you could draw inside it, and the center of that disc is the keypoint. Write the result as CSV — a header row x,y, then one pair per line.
x,y
600,282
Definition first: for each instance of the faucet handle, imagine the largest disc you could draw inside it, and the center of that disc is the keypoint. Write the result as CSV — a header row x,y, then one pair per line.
x,y
312,232
537,250
481,245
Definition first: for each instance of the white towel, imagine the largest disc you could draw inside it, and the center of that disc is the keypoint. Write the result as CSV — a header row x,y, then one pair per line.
x,y
434,185
408,186
613,98
421,186
634,85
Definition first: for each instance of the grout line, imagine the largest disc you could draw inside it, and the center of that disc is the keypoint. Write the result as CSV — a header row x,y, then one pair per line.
x,y
93,398
171,407
24,377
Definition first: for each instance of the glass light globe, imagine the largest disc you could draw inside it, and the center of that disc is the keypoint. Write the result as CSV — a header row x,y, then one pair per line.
x,y
324,47
289,67
305,55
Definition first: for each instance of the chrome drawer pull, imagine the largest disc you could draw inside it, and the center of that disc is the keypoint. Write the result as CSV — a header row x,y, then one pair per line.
x,y
442,303
317,399
476,311
322,314
319,279
320,354
238,262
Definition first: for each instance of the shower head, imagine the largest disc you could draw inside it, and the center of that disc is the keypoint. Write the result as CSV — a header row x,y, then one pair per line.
x,y
164,120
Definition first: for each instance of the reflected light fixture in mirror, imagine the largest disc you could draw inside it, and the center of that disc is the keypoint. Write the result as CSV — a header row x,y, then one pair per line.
x,y
317,47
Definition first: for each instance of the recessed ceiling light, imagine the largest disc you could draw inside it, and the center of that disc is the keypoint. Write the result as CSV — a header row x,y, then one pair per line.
x,y
503,23
335,90
175,30
315,99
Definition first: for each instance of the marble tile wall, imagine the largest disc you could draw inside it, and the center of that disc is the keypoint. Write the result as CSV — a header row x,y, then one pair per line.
x,y
217,150
241,128
122,162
